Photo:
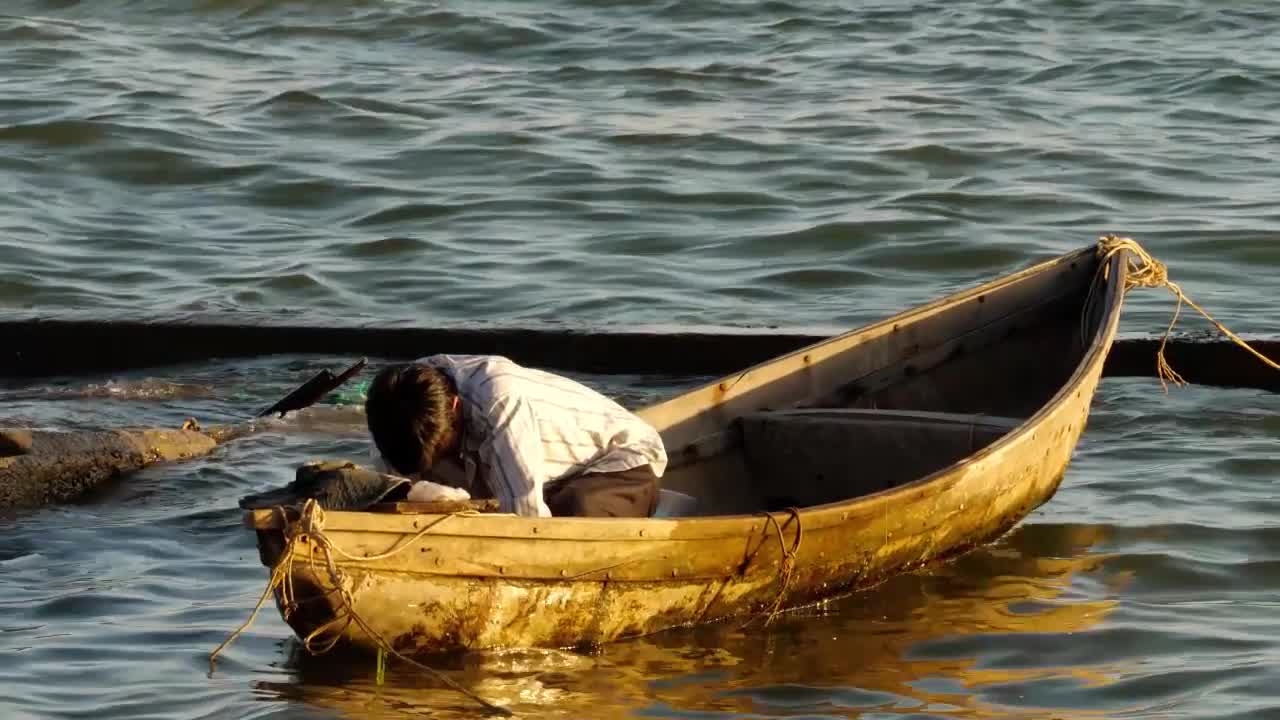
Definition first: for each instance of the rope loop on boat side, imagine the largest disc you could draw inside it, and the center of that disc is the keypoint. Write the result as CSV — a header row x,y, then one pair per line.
x,y
309,530
1147,272
787,564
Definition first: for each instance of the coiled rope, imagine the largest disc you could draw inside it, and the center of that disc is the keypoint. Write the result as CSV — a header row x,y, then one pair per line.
x,y
1145,271
309,530
786,563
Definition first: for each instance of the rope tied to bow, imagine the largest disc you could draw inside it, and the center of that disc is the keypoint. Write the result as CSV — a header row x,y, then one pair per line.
x,y
1147,272
309,530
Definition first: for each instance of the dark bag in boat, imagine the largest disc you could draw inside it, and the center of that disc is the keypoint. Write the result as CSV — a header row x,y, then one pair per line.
x,y
335,485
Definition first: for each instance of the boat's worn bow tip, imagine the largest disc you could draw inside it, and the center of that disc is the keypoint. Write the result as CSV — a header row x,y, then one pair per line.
x,y
1147,272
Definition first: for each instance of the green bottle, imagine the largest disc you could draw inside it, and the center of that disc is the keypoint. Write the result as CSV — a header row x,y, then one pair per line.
x,y
350,394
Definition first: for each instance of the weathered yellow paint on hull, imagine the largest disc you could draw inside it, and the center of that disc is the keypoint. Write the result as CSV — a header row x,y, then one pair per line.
x,y
421,610
487,581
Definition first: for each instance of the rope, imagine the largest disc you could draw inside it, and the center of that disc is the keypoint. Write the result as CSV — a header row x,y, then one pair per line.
x,y
310,526
1145,271
787,565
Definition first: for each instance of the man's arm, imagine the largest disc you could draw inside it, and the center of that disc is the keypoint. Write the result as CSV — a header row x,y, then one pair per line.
x,y
514,455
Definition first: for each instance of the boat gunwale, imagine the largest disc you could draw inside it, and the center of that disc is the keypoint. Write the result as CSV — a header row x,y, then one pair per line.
x,y
736,526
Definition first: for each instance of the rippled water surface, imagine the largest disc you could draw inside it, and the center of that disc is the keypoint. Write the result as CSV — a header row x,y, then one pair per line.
x,y
625,163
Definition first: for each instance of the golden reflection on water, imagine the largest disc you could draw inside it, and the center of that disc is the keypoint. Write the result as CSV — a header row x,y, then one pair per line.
x,y
916,644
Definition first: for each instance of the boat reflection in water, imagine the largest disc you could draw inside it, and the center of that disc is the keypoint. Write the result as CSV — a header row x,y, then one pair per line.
x,y
992,633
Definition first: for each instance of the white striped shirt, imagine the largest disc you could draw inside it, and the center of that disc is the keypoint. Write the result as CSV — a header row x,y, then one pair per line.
x,y
526,428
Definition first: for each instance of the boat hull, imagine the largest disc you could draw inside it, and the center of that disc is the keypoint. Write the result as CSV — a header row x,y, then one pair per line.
x,y
439,583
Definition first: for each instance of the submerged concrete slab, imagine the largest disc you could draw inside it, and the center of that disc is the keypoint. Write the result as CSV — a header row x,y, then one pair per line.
x,y
56,467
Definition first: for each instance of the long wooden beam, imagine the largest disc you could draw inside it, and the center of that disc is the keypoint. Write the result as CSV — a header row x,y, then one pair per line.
x,y
42,348
1216,362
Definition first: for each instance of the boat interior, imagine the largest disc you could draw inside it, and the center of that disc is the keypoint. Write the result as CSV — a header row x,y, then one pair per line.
x,y
885,405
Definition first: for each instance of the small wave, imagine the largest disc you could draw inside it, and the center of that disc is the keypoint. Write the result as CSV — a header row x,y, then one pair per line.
x,y
409,212
1051,74
155,166
1125,68
62,133
962,204
752,293
1199,117
794,698
150,95
308,193
384,247
693,140
34,32
293,281
84,602
950,255
725,9
1171,574
147,389
1233,84
386,107
699,78
250,298
643,244
678,96
11,559
226,51
293,101
478,34
838,236
798,22
1129,195
442,28
937,155
816,278
643,194
293,29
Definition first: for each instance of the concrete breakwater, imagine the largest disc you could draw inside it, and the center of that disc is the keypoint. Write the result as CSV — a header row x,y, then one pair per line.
x,y
44,347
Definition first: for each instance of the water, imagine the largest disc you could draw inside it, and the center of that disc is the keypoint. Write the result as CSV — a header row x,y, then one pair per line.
x,y
713,164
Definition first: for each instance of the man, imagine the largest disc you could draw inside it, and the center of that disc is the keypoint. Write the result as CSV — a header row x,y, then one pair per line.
x,y
541,444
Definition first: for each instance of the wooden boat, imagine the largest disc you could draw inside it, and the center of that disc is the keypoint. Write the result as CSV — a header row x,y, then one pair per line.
x,y
820,472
